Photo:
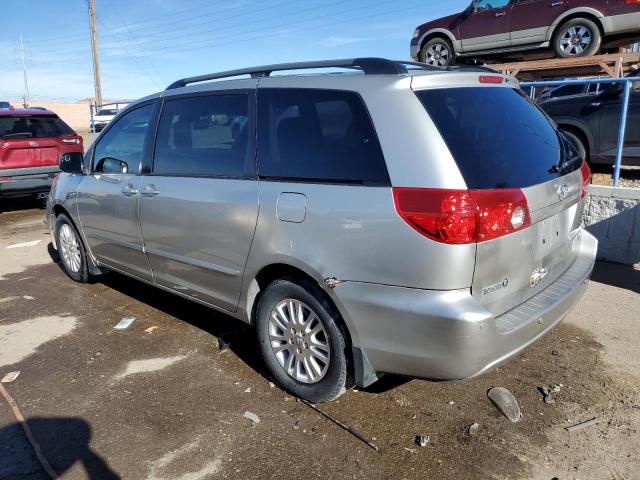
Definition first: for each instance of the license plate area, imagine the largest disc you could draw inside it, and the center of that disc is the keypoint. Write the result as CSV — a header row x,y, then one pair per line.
x,y
552,234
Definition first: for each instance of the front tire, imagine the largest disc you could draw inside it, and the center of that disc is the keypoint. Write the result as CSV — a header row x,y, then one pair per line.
x,y
302,342
437,52
579,37
71,250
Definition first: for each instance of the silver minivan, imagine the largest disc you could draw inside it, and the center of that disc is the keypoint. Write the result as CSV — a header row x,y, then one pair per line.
x,y
393,218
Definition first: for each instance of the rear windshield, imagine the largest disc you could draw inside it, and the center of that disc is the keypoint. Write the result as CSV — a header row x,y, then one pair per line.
x,y
39,126
498,137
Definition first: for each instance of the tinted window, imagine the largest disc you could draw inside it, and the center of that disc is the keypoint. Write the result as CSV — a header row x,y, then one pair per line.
x,y
567,90
204,135
5,105
497,136
107,112
33,127
124,141
317,135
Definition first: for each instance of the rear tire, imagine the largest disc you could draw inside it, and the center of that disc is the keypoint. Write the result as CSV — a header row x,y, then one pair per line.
x,y
437,52
302,342
71,250
579,37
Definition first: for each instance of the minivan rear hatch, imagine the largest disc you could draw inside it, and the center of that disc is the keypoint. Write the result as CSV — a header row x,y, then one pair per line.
x,y
501,141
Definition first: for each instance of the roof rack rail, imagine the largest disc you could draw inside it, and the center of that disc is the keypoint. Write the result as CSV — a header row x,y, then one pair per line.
x,y
368,65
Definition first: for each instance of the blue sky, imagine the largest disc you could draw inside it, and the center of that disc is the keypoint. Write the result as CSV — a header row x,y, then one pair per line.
x,y
146,44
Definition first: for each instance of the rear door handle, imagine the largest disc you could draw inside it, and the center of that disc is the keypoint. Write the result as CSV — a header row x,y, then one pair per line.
x,y
596,104
557,4
500,14
129,190
150,191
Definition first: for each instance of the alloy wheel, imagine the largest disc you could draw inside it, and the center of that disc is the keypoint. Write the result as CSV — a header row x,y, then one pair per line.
x,y
437,55
299,341
576,40
70,248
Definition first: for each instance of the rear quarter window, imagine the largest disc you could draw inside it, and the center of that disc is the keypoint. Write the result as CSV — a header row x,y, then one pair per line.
x,y
317,136
497,136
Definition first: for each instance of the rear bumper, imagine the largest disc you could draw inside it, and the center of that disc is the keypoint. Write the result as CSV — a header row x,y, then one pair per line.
x,y
17,182
448,335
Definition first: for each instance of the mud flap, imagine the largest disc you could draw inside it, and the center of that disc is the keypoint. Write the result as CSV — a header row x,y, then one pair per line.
x,y
365,375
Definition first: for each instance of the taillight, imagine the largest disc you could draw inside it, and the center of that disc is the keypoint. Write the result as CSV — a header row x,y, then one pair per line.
x,y
586,179
632,2
72,140
462,216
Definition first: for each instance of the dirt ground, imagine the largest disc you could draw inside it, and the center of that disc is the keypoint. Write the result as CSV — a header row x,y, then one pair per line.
x,y
160,400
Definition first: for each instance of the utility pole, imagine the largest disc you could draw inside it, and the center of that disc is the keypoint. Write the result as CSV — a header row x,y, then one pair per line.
x,y
25,98
94,48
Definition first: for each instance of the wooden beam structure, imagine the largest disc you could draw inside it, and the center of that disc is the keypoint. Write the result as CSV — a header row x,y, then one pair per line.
x,y
614,65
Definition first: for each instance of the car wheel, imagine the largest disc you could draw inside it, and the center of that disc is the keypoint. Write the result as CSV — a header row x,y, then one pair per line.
x,y
71,250
437,52
579,143
302,342
579,37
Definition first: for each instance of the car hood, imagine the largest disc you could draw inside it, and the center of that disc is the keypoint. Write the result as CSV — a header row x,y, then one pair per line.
x,y
449,23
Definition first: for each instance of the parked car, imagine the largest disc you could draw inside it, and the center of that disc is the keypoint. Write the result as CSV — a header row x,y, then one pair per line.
x,y
4,105
31,142
393,221
592,122
102,118
571,28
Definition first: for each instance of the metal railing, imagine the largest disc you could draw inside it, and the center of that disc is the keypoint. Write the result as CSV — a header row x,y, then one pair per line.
x,y
627,85
94,108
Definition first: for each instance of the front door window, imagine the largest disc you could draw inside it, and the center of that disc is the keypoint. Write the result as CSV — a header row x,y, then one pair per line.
x,y
483,5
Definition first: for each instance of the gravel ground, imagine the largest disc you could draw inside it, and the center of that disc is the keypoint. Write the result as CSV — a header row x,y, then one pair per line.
x,y
159,400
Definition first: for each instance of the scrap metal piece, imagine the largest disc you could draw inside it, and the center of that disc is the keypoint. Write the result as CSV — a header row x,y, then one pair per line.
x,y
504,401
583,425
10,377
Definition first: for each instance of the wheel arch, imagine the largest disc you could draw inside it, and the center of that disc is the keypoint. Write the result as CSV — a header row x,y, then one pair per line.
x,y
438,33
56,211
578,130
582,12
364,374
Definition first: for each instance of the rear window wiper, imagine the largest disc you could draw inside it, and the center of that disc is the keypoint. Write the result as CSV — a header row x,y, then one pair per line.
x,y
17,135
565,160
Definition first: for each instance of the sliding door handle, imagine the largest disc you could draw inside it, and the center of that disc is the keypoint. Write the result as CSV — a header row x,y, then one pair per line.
x,y
150,191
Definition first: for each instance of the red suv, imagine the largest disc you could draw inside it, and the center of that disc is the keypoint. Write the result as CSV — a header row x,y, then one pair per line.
x,y
31,142
572,28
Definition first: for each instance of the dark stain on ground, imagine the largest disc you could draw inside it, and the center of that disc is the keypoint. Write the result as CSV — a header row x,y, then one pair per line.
x,y
137,420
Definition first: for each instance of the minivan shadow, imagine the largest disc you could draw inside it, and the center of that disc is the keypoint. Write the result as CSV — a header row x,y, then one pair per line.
x,y
229,332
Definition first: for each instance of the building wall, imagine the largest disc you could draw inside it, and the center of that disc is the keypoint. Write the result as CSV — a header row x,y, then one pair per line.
x,y
612,214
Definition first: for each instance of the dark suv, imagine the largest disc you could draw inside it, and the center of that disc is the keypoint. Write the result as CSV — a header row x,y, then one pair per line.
x,y
592,122
572,28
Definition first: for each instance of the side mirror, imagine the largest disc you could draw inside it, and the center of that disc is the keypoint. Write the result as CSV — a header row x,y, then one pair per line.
x,y
71,162
112,165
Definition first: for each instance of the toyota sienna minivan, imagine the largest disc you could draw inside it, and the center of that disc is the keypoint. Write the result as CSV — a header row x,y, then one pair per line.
x,y
396,218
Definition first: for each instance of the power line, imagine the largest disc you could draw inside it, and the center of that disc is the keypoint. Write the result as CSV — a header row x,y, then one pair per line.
x,y
137,43
207,44
126,52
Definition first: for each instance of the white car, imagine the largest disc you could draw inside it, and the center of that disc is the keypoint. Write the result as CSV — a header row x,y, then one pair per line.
x,y
102,118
